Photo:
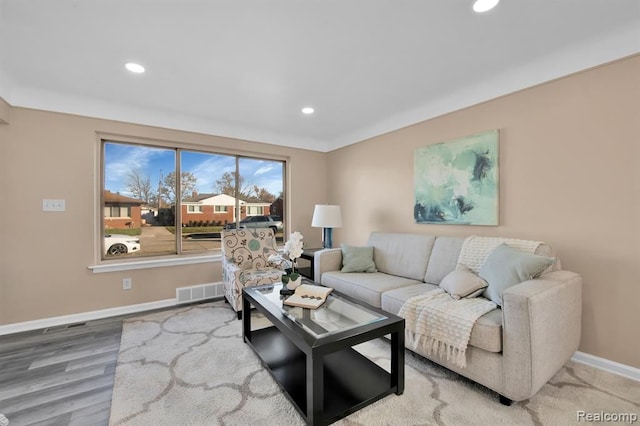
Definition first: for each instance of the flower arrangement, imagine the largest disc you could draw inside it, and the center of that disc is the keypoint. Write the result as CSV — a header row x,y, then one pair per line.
x,y
293,248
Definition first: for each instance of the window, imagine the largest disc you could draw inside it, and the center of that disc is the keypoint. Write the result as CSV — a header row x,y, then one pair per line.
x,y
117,211
255,210
159,200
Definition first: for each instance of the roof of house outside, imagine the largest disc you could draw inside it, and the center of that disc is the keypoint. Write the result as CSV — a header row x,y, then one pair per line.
x,y
110,197
199,197
223,200
254,200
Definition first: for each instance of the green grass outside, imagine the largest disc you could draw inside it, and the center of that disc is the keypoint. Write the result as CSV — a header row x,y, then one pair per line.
x,y
126,231
186,230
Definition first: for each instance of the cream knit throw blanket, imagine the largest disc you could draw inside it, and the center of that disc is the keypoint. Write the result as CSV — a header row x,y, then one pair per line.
x,y
475,249
441,326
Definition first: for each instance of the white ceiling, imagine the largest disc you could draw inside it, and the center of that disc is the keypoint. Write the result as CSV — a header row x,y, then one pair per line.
x,y
245,68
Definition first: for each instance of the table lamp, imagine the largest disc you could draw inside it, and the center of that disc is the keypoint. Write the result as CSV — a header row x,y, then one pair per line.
x,y
327,217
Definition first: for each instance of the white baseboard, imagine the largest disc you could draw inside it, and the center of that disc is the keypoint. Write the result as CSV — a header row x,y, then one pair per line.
x,y
20,327
606,365
83,316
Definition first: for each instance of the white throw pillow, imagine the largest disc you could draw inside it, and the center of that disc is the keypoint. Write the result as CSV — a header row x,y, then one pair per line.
x,y
463,283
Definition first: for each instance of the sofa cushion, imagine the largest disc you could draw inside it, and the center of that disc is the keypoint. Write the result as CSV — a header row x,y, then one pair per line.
x,y
486,333
444,258
366,287
507,266
463,282
357,259
393,300
404,255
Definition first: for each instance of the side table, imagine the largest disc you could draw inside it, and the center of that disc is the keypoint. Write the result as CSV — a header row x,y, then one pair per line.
x,y
308,254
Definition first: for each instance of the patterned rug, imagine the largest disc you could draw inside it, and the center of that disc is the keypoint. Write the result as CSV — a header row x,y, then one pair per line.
x,y
189,366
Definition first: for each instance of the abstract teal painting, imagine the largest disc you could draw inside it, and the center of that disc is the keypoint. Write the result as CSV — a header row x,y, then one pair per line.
x,y
456,182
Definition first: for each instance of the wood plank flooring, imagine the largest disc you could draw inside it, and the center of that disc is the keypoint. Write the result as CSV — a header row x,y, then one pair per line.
x,y
61,375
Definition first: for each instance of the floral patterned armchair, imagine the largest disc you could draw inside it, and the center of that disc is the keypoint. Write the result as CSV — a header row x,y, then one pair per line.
x,y
246,262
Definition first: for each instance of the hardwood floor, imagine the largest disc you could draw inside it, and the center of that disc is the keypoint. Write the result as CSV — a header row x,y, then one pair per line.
x,y
61,375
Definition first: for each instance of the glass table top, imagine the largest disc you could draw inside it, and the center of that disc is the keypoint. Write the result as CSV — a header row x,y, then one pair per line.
x,y
336,314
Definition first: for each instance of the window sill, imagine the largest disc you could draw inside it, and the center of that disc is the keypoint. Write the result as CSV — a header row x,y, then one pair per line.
x,y
153,263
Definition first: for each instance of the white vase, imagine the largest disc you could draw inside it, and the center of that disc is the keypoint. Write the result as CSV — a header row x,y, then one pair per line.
x,y
292,284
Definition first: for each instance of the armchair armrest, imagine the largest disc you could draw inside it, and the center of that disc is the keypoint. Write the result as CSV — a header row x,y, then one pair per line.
x,y
326,260
230,271
541,330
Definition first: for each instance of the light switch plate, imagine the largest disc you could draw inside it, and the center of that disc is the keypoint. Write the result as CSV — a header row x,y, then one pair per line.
x,y
53,205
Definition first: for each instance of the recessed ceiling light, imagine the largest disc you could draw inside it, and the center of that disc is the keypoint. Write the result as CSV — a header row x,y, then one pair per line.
x,y
308,110
133,67
484,5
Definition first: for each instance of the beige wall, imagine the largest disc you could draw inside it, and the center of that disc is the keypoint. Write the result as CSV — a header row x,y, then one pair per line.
x,y
45,255
569,175
4,111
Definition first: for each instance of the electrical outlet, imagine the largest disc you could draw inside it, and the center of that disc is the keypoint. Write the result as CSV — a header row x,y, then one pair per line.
x,y
126,283
53,205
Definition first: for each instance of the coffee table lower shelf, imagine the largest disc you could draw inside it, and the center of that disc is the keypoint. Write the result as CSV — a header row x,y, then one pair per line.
x,y
351,380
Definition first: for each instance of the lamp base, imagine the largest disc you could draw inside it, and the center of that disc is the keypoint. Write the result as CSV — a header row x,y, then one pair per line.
x,y
326,238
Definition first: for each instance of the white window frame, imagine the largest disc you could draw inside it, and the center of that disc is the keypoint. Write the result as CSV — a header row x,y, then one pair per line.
x,y
111,265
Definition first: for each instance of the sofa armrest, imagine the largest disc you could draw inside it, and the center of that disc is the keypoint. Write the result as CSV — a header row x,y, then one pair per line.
x,y
326,260
541,330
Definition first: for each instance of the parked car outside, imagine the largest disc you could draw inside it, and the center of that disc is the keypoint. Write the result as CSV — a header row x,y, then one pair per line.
x,y
273,222
119,244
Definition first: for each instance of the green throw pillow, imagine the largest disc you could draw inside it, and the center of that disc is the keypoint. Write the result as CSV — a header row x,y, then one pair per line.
x,y
357,259
506,267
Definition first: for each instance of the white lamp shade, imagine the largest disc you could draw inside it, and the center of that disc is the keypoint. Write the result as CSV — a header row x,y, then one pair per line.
x,y
327,216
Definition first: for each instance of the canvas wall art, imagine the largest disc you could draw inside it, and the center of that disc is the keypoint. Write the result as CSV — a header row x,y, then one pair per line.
x,y
456,182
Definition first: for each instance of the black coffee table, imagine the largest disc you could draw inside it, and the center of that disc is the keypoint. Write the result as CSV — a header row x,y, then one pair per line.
x,y
310,354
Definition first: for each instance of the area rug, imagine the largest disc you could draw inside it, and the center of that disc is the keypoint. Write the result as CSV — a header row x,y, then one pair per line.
x,y
189,366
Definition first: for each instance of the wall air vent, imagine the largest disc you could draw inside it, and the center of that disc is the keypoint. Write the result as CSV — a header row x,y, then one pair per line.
x,y
199,292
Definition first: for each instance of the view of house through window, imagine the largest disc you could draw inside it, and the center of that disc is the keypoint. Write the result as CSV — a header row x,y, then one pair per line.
x,y
147,211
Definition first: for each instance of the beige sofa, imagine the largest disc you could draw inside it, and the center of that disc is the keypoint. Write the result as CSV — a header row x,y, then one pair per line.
x,y
513,350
